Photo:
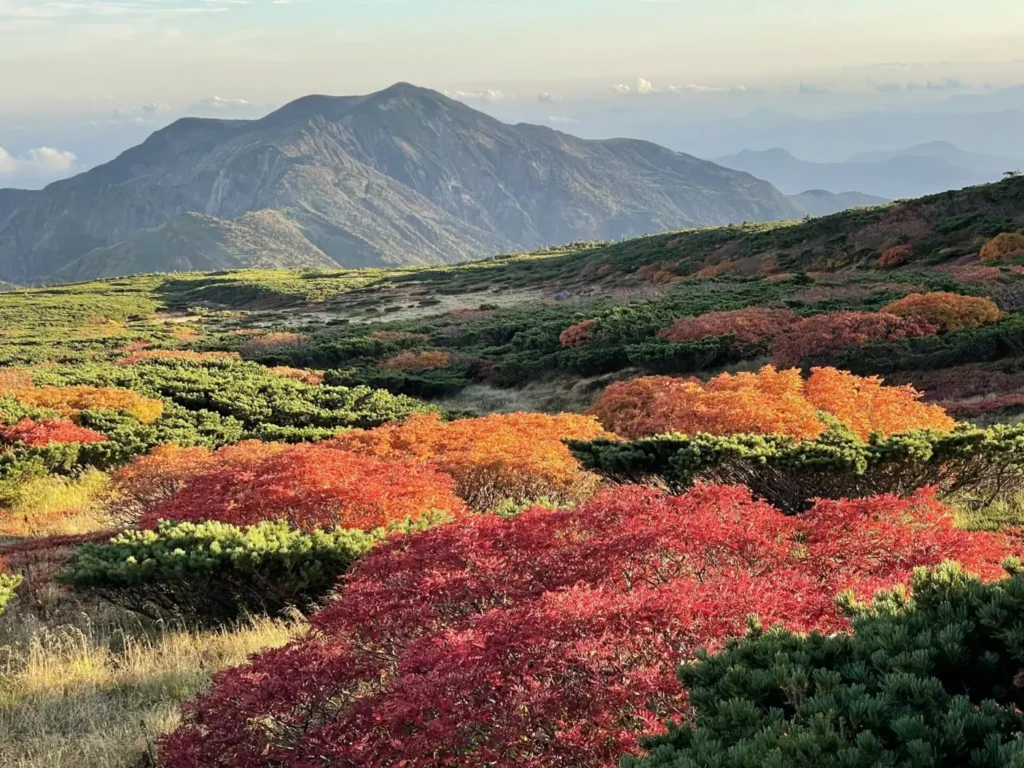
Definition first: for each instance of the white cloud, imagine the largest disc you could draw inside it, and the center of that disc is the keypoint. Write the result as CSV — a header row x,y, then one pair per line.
x,y
216,102
43,162
548,98
489,94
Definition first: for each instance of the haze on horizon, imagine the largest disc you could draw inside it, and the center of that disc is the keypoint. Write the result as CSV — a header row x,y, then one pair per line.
x,y
84,79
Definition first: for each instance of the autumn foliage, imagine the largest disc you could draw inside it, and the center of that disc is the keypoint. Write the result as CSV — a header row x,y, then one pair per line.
x,y
1002,247
36,434
827,335
551,640
425,360
71,401
278,341
766,402
313,378
866,405
309,486
947,311
896,256
503,457
577,335
752,325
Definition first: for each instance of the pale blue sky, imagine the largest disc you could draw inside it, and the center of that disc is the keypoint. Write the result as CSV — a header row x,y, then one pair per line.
x,y
83,79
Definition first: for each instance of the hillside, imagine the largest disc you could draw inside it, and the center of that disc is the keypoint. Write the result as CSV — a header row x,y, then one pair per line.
x,y
820,202
403,176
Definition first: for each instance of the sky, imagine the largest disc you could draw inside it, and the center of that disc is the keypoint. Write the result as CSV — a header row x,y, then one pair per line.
x,y
83,79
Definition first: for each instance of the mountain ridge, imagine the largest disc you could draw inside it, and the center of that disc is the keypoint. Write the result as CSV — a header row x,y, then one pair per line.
x,y
402,176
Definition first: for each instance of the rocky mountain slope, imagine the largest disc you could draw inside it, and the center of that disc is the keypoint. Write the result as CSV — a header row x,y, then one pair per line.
x,y
403,176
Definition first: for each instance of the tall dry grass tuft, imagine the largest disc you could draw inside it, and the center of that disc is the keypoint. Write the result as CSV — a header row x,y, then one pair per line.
x,y
97,694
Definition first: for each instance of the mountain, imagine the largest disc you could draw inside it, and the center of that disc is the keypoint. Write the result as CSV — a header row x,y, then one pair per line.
x,y
991,165
403,176
900,176
820,202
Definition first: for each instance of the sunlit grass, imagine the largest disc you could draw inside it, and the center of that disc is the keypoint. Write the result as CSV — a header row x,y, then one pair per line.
x,y
58,506
86,696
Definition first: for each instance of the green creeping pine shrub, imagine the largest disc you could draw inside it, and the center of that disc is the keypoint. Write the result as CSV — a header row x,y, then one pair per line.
x,y
8,584
982,465
930,682
214,572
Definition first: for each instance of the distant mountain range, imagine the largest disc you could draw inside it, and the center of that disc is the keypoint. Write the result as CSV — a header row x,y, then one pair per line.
x,y
913,172
403,176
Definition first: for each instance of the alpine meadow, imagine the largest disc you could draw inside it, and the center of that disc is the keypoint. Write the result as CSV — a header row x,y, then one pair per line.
x,y
464,428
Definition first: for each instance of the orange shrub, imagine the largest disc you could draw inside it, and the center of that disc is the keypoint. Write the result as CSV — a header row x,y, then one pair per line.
x,y
577,335
515,457
426,360
865,405
749,326
767,402
280,341
896,256
13,379
947,311
714,270
71,401
1001,247
177,354
41,433
310,487
314,378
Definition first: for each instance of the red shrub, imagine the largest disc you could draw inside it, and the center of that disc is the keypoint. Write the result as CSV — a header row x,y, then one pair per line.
x,y
551,640
36,434
826,335
279,341
310,486
748,326
577,335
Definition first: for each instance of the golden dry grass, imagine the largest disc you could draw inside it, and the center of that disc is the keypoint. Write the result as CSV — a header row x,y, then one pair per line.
x,y
89,696
58,506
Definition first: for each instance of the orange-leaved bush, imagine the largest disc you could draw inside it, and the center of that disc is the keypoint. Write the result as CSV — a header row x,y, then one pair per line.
x,y
766,402
514,457
896,256
309,487
306,376
177,354
551,640
947,311
1002,247
752,325
71,401
826,335
577,335
425,360
277,341
37,434
866,405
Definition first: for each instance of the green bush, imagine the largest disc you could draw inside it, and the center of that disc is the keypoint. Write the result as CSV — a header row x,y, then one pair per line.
x,y
978,465
9,583
214,572
933,681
